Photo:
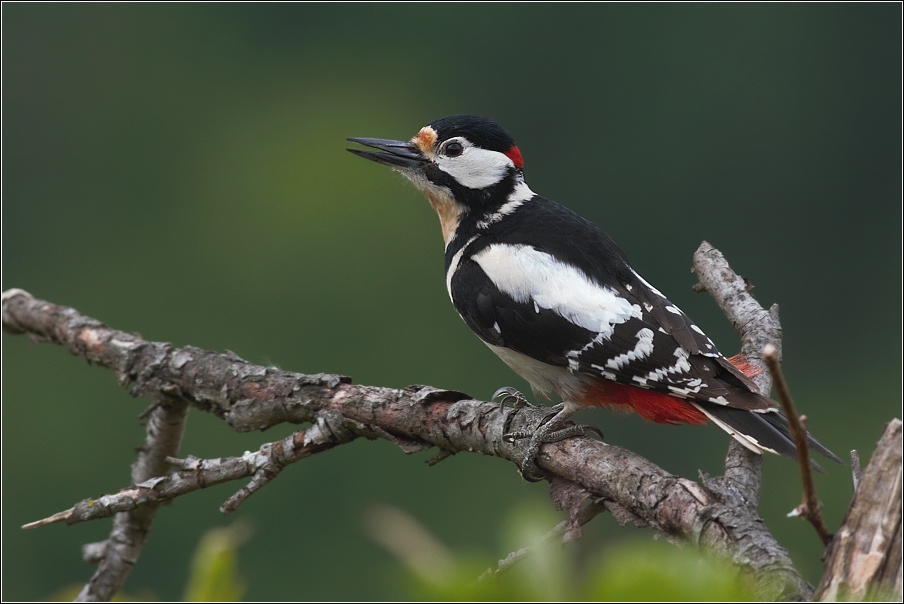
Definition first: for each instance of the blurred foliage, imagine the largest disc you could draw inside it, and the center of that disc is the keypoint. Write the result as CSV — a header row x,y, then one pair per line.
x,y
179,170
627,572
214,567
214,574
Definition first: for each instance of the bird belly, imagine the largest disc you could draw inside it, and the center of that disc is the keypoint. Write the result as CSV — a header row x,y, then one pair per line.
x,y
545,379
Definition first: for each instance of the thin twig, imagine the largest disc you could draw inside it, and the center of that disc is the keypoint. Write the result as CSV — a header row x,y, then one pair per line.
x,y
198,474
810,508
58,517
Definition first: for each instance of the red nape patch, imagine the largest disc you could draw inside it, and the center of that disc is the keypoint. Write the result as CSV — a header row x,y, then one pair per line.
x,y
654,406
514,154
745,366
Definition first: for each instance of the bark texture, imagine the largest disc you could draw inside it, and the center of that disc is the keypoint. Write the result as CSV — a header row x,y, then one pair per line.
x,y
864,560
166,425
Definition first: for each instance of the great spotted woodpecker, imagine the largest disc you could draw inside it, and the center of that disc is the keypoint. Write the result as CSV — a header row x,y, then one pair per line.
x,y
555,298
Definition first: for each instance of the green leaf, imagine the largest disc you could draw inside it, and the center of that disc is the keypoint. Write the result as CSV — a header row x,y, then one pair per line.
x,y
214,568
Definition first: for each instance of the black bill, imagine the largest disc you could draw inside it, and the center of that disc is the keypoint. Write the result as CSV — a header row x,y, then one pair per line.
x,y
397,154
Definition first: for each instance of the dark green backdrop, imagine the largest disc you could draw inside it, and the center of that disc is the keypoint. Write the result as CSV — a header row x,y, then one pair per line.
x,y
179,171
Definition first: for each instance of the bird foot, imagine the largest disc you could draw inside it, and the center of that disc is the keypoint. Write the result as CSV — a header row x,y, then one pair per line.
x,y
551,430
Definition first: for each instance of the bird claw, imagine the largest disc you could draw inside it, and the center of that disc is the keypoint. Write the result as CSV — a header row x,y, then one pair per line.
x,y
511,437
546,434
531,472
508,394
554,437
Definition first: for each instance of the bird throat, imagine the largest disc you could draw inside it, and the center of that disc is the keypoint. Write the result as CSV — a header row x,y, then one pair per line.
x,y
447,208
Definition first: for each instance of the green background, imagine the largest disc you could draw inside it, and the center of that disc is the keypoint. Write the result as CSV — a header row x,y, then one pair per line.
x,y
179,171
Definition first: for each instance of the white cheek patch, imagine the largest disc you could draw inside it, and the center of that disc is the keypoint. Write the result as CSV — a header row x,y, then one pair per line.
x,y
529,275
475,168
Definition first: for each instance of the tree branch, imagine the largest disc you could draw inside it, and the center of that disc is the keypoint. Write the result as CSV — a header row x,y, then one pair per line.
x,y
756,328
262,465
165,427
719,514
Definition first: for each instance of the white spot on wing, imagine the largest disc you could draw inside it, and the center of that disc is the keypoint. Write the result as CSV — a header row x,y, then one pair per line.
x,y
673,309
527,274
697,329
643,349
604,372
680,366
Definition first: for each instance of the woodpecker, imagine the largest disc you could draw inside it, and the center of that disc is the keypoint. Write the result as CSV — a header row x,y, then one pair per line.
x,y
555,298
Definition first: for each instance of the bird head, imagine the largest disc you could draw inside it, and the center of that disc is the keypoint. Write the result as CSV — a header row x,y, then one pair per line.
x,y
462,164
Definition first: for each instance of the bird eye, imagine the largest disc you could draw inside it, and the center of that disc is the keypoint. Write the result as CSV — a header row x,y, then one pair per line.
x,y
454,149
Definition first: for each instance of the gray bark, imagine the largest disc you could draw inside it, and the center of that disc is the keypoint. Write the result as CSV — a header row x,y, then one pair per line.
x,y
865,560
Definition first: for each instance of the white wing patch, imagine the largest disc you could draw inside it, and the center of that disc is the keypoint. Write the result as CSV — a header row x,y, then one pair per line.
x,y
529,275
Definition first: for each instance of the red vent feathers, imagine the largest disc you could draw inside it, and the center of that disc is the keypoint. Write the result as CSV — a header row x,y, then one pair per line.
x,y
654,406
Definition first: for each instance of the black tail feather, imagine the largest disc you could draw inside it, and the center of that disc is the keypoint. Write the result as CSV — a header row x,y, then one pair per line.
x,y
769,430
780,422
